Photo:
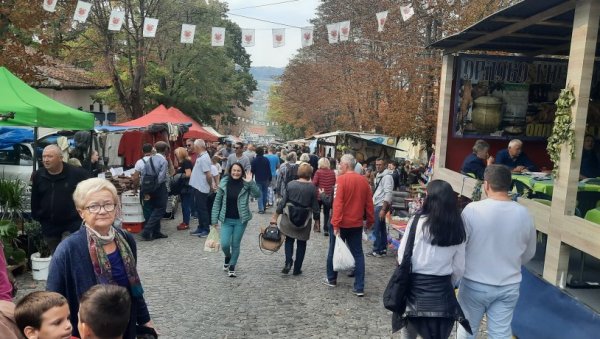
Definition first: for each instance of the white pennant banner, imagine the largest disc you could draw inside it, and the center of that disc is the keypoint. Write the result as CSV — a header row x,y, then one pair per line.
x,y
307,36
82,11
115,22
150,26
187,33
247,37
49,5
333,32
278,37
381,19
407,12
344,30
218,36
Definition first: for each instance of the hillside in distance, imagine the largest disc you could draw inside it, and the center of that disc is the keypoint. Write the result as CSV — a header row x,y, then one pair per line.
x,y
265,77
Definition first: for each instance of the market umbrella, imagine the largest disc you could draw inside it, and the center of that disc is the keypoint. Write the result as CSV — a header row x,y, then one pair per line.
x,y
32,108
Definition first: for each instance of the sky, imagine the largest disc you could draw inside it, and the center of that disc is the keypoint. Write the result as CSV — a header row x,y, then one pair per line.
x,y
297,13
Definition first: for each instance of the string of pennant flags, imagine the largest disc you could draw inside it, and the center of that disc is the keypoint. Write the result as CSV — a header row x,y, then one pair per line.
x,y
337,32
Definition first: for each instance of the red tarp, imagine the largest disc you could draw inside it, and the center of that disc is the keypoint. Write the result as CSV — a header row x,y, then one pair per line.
x,y
173,115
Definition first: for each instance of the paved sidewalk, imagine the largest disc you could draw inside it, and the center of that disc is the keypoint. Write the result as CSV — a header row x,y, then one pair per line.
x,y
190,296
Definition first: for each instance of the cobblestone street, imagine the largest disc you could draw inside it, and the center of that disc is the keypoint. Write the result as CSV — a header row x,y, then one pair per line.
x,y
190,296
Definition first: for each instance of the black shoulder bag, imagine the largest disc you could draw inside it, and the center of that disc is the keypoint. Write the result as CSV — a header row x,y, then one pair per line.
x,y
396,291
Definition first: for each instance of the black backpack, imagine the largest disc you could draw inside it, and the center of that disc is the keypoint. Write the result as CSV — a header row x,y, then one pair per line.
x,y
291,173
149,181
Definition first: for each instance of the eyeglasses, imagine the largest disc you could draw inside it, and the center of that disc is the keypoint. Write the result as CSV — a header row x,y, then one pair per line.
x,y
97,208
190,145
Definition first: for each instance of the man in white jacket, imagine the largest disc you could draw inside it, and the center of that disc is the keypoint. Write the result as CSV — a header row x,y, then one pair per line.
x,y
382,200
500,239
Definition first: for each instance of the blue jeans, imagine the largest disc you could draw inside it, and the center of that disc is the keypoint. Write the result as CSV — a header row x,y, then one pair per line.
x,y
498,302
264,194
380,231
186,206
200,199
353,238
158,201
232,231
300,252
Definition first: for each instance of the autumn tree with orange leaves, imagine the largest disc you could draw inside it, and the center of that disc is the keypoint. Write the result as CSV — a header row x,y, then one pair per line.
x,y
384,82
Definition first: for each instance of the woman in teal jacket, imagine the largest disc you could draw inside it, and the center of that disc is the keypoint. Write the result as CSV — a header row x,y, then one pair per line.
x,y
232,210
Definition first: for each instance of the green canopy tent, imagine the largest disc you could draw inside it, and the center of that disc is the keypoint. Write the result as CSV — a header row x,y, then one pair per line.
x,y
22,105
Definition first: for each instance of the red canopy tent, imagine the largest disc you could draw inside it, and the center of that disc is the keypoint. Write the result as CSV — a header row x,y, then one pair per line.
x,y
173,115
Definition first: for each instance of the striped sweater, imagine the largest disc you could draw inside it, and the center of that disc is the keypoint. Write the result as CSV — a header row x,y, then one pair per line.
x,y
325,179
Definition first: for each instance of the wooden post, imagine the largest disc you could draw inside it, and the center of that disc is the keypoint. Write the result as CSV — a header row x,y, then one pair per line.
x,y
579,76
444,111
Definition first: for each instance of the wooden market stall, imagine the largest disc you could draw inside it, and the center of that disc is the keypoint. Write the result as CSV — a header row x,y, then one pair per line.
x,y
553,42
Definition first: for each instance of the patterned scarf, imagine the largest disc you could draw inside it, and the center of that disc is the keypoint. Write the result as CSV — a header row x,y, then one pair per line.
x,y
102,264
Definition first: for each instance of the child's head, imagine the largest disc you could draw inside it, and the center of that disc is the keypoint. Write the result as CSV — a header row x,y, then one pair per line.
x,y
43,315
104,312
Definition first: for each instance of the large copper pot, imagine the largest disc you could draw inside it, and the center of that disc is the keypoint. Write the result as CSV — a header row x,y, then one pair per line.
x,y
487,114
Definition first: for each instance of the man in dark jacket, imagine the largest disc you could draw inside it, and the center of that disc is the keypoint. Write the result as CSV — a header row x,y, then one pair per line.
x,y
52,196
262,174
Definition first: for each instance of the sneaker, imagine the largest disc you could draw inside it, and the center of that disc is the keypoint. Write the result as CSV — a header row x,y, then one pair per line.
x,y
358,293
231,272
160,236
261,212
326,234
196,233
374,254
183,226
326,281
351,274
226,264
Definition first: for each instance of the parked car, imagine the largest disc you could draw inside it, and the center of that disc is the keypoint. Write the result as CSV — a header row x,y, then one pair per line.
x,y
17,162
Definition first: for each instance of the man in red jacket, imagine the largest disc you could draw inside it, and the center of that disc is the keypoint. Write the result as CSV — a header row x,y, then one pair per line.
x,y
352,201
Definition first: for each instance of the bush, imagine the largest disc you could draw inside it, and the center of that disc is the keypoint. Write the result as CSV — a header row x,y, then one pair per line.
x,y
33,229
8,234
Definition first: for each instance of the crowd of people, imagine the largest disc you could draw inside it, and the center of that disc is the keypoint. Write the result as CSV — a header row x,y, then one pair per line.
x,y
93,284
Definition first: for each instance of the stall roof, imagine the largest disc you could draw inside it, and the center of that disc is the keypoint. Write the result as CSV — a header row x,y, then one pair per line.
x,y
358,135
529,27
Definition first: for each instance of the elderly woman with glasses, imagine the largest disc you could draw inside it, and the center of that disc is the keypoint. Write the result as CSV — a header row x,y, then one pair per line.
x,y
98,253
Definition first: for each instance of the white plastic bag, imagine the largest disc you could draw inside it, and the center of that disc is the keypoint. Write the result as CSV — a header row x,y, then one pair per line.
x,y
342,257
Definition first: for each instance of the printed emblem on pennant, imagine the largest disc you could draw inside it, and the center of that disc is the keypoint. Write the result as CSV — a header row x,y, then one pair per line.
x,y
334,33
149,27
116,21
248,38
218,36
187,34
278,38
49,2
82,11
306,36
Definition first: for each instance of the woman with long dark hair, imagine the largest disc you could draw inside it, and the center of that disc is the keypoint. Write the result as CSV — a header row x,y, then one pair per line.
x,y
231,210
438,262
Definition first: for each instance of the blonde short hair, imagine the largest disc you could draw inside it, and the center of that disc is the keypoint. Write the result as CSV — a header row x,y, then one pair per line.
x,y
304,157
182,154
74,162
324,163
90,186
305,171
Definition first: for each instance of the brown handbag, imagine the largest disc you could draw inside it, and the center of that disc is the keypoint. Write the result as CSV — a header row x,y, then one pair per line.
x,y
266,242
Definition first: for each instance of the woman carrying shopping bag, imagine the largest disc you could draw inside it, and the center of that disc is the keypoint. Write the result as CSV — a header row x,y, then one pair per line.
x,y
297,205
231,209
438,263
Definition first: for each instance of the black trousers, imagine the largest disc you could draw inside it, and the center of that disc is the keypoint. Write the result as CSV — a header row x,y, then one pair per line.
x,y
428,328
